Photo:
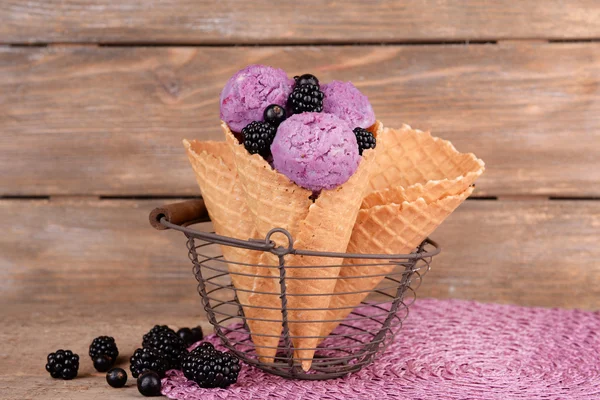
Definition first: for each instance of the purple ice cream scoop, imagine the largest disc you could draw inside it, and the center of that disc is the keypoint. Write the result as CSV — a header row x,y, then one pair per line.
x,y
315,150
248,92
347,102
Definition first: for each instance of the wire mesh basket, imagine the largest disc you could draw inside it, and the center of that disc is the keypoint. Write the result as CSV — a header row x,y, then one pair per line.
x,y
358,339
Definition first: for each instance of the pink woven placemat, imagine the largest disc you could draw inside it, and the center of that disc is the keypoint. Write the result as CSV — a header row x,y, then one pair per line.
x,y
449,349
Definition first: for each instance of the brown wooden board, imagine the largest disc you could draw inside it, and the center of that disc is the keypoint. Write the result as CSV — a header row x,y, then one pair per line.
x,y
109,121
29,332
309,21
538,253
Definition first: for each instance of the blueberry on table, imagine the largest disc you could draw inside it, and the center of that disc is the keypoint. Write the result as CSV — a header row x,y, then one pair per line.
x,y
116,377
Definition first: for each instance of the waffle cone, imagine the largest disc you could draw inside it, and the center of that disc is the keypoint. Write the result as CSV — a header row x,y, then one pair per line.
x,y
417,165
325,225
394,228
216,174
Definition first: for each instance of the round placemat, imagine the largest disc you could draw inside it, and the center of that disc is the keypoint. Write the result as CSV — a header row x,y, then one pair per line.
x,y
450,349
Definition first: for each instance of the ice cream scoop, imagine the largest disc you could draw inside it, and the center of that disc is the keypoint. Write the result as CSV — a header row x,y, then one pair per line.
x,y
344,100
250,91
315,150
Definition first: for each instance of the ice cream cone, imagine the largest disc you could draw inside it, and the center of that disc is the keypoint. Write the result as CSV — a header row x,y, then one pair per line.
x,y
395,228
418,180
421,164
215,170
325,225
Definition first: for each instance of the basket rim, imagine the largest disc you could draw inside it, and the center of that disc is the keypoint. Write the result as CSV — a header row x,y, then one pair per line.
x,y
268,245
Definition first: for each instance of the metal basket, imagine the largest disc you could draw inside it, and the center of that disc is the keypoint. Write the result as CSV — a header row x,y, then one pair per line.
x,y
359,338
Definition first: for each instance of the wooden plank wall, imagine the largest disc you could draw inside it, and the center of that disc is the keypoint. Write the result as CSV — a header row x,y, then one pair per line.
x,y
95,98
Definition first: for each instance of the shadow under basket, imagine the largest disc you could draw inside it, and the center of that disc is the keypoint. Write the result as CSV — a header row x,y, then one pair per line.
x,y
358,339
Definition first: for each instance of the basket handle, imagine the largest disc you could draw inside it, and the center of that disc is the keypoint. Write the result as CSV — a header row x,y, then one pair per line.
x,y
186,212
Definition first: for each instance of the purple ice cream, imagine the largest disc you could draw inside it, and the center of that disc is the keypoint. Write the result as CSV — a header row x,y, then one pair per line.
x,y
348,103
315,150
248,92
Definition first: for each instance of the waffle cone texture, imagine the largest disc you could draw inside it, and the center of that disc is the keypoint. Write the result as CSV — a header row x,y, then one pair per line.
x,y
400,193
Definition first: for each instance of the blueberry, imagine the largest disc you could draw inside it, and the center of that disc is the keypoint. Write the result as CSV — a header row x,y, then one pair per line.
x,y
116,377
149,384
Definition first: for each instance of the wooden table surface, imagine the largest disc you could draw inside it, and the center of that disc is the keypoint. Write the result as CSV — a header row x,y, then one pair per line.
x,y
96,96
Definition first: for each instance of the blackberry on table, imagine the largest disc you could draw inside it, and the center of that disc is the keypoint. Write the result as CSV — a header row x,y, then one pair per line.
x,y
210,368
365,139
63,364
306,98
258,137
155,330
147,359
169,345
104,346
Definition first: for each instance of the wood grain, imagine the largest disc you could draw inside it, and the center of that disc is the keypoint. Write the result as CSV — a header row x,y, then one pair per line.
x,y
109,121
537,253
309,21
30,331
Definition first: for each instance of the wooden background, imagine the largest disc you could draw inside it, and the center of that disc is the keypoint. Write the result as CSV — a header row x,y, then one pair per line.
x,y
95,97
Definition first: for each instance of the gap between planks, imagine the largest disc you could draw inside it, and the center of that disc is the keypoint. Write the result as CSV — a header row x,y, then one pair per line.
x,y
466,42
70,198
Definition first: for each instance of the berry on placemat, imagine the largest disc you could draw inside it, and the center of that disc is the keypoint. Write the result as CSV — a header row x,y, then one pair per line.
x,y
116,377
104,346
274,115
210,368
306,98
102,363
169,345
365,139
147,359
63,364
258,137
306,79
149,384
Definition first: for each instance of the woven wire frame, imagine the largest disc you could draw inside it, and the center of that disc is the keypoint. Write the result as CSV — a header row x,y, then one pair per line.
x,y
359,338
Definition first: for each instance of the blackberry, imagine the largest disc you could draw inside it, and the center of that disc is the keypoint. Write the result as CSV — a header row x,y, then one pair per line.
x,y
210,368
155,330
274,115
63,364
258,137
104,346
116,377
306,78
169,345
149,384
306,98
205,348
365,139
147,359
